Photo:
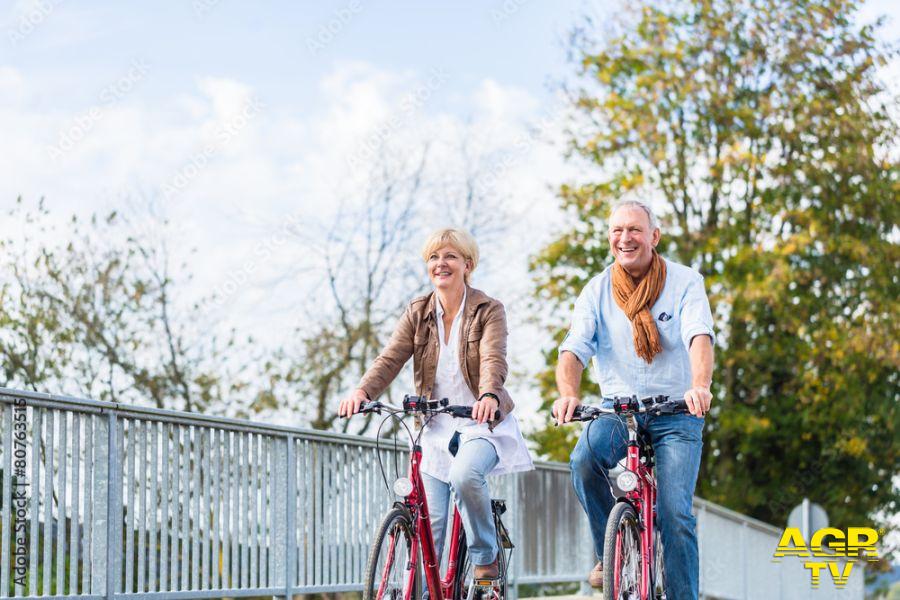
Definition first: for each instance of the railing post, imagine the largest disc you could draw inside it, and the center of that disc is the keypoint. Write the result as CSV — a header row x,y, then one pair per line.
x,y
517,534
290,573
113,508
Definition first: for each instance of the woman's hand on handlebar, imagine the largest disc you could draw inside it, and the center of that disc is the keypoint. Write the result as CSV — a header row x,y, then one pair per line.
x,y
350,405
483,410
564,408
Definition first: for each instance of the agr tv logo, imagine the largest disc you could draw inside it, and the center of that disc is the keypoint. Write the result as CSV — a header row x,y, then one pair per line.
x,y
857,542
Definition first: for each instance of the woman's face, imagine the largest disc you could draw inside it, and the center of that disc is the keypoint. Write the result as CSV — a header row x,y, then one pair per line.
x,y
447,268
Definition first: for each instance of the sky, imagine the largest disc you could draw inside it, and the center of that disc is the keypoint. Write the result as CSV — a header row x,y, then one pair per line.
x,y
235,118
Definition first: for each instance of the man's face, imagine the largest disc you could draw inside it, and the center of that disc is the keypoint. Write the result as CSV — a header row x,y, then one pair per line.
x,y
631,240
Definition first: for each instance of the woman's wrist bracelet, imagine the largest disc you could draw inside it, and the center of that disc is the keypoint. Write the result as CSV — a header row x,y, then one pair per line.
x,y
490,395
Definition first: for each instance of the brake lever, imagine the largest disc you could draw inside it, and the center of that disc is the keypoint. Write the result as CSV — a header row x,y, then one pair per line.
x,y
371,407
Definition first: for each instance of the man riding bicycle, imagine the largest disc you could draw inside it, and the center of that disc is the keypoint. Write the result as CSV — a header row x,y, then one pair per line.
x,y
647,324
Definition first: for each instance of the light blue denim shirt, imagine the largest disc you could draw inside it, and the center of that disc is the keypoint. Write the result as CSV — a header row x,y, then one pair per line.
x,y
600,330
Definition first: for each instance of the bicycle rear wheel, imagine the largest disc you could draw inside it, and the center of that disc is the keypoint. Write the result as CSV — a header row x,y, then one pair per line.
x,y
390,571
622,555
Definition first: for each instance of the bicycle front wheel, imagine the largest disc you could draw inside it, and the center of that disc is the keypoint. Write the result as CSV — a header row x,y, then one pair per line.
x,y
659,571
622,555
391,571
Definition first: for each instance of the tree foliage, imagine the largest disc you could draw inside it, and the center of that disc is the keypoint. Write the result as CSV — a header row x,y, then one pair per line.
x,y
88,309
762,132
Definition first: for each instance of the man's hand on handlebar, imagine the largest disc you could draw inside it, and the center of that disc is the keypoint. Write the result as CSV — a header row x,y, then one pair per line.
x,y
564,408
698,400
483,410
350,405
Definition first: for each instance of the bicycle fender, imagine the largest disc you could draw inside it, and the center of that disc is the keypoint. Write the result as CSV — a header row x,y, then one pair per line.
x,y
403,507
636,511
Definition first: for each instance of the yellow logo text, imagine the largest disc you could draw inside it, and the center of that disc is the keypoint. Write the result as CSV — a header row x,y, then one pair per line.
x,y
829,544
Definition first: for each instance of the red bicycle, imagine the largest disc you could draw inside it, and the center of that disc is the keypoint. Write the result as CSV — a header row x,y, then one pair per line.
x,y
632,532
404,540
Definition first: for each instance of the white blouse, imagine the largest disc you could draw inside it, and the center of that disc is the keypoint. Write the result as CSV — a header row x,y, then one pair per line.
x,y
449,383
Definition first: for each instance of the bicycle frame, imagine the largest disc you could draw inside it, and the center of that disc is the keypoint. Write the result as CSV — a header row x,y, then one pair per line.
x,y
643,499
417,503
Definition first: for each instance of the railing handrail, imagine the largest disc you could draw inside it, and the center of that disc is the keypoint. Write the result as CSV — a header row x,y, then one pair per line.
x,y
8,395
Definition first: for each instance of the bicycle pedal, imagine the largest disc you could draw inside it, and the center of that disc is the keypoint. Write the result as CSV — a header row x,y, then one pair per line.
x,y
482,589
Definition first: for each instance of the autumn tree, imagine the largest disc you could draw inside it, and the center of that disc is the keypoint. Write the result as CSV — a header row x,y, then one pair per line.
x,y
763,134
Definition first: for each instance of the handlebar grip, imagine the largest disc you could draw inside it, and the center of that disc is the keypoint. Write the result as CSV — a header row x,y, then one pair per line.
x,y
671,407
465,412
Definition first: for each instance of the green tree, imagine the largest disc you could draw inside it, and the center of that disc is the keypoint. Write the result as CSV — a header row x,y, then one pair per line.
x,y
762,132
89,309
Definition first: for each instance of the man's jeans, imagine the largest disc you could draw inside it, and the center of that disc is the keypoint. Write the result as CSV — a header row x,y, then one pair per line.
x,y
474,460
677,442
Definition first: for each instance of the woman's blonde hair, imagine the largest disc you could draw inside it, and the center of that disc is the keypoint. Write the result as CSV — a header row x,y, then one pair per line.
x,y
456,238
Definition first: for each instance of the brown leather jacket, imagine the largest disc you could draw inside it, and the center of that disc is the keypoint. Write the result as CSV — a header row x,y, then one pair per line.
x,y
482,351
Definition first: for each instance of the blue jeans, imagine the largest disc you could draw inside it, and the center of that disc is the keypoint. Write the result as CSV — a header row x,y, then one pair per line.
x,y
677,442
474,460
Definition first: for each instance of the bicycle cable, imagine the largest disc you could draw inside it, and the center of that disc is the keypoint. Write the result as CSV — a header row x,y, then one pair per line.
x,y
587,434
391,415
396,454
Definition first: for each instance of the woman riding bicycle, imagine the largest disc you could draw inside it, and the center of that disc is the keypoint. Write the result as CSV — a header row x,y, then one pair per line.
x,y
456,336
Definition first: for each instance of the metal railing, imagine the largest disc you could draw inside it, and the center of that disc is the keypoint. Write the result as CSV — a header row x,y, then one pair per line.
x,y
125,500
104,500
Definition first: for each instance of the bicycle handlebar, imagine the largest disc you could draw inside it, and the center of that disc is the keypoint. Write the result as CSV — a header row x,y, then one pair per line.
x,y
424,406
657,405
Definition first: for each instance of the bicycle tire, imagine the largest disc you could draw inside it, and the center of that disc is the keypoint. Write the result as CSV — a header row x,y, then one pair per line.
x,y
622,554
385,560
466,570
659,570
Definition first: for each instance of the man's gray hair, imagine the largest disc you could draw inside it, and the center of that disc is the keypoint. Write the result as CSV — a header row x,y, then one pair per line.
x,y
654,224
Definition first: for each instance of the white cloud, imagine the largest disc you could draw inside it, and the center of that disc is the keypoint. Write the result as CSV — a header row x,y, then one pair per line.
x,y
227,96
12,87
499,103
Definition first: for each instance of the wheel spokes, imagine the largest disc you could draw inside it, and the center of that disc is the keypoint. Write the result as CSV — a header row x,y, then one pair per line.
x,y
627,564
393,581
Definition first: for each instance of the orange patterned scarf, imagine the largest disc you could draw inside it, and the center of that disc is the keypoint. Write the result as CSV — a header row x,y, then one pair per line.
x,y
635,299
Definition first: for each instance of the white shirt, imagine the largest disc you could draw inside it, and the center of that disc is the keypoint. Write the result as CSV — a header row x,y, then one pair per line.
x,y
449,383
